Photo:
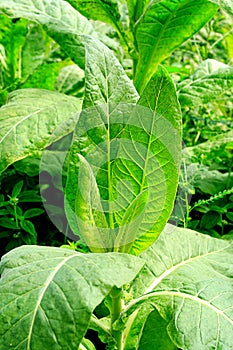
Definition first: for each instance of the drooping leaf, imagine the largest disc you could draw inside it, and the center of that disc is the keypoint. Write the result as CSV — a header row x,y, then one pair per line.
x,y
62,22
30,121
188,279
47,300
164,26
210,79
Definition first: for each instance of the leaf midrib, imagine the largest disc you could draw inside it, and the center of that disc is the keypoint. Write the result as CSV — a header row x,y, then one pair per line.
x,y
191,297
175,267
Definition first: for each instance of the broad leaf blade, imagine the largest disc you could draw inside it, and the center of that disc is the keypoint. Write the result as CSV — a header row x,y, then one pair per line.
x,y
50,293
107,86
188,279
210,79
164,26
165,144
30,120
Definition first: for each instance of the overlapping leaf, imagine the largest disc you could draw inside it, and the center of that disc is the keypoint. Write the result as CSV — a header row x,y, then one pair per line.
x,y
188,279
48,294
30,120
165,25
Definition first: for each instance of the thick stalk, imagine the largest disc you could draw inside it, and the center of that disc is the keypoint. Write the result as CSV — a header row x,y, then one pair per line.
x,y
116,308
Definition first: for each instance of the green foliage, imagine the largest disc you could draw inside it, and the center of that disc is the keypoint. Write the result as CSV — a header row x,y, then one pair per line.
x,y
113,152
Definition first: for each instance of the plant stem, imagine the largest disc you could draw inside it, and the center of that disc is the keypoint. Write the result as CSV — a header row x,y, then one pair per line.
x,y
116,308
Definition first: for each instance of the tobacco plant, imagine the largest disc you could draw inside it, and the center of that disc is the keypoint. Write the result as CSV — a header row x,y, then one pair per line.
x,y
161,287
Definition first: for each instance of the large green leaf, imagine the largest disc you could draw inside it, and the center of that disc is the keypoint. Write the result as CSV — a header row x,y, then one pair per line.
x,y
159,97
33,119
107,86
62,22
134,153
48,294
210,79
164,26
188,279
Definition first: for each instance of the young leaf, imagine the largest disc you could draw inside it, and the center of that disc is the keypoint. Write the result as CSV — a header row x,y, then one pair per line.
x,y
164,26
188,279
28,227
29,122
210,79
86,344
17,189
50,300
31,213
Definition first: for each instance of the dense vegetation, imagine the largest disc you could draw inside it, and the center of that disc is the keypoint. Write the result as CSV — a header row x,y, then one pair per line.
x,y
94,101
